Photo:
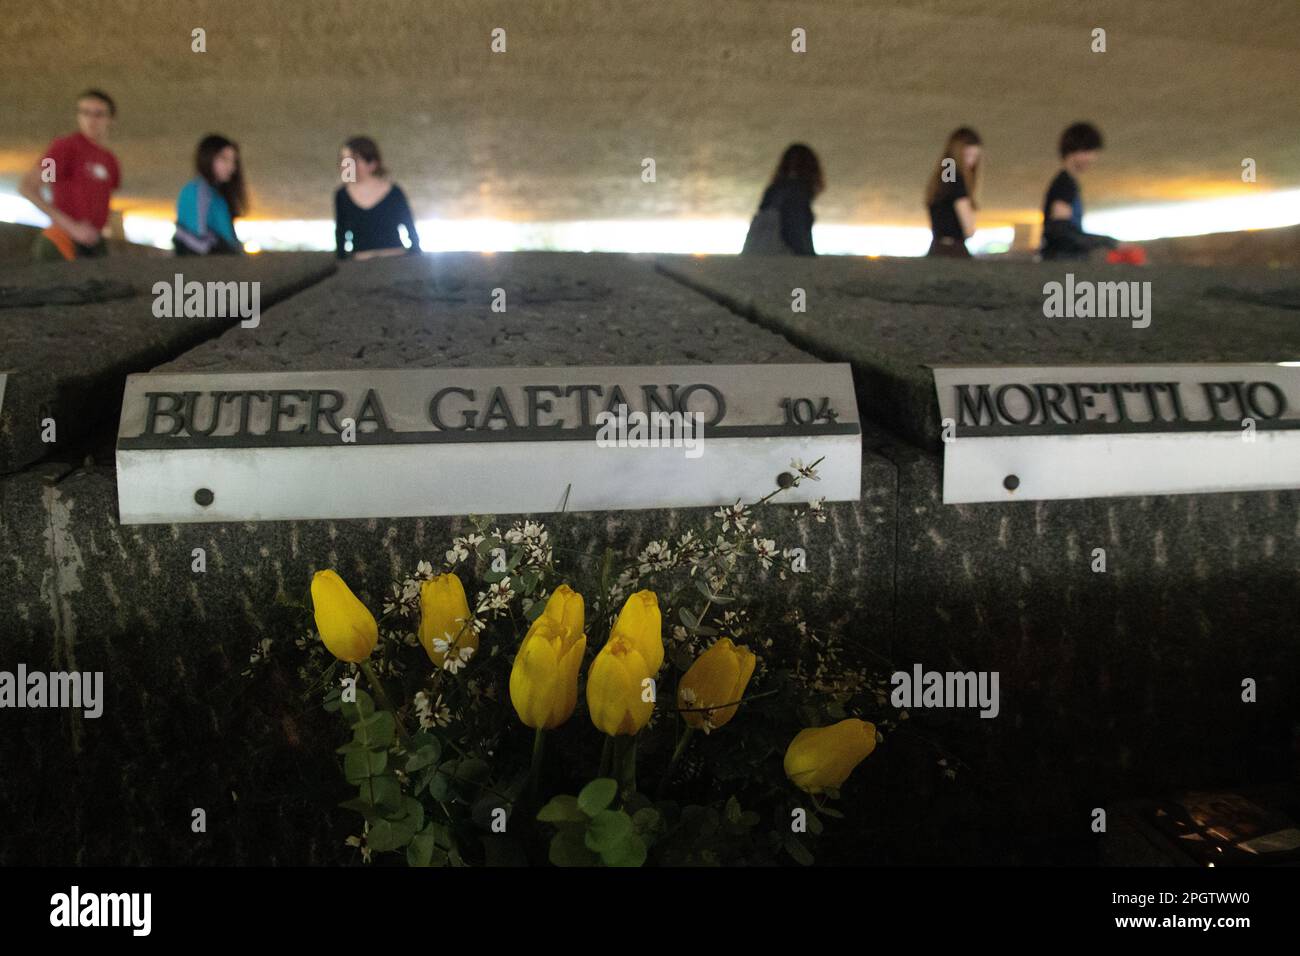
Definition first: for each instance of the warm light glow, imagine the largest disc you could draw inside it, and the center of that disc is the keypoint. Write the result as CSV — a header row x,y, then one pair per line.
x,y
716,236
1265,210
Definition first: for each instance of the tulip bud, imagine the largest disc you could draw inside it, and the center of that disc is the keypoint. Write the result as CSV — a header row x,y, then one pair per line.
x,y
821,758
641,624
346,626
718,676
615,694
445,628
544,678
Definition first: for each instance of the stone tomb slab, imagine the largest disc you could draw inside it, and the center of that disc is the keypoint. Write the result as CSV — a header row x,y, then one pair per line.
x,y
70,333
893,319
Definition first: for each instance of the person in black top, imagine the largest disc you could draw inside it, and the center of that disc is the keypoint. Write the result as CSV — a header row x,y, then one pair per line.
x,y
369,207
783,224
1063,235
950,194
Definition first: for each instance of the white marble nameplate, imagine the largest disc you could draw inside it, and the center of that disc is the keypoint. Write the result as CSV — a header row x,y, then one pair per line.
x,y
403,443
1086,431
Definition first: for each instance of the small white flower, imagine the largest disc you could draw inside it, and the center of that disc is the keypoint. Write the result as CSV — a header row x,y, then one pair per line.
x,y
688,697
453,662
765,551
806,471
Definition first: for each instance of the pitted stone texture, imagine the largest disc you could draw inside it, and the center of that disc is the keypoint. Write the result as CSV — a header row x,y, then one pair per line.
x,y
436,311
1122,682
68,361
894,319
182,729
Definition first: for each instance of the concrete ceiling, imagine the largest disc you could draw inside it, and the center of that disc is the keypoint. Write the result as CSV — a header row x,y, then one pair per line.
x,y
556,127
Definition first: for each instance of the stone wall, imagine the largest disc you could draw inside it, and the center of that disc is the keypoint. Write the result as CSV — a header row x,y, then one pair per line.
x,y
1113,685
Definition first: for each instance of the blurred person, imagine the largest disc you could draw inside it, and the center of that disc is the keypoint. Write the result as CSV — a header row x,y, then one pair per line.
x,y
82,175
209,204
1063,235
950,194
369,207
783,224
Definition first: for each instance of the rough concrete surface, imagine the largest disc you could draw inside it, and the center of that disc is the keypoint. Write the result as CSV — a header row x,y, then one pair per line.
x,y
71,334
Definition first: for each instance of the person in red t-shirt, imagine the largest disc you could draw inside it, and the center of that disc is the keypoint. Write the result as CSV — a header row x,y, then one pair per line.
x,y
82,174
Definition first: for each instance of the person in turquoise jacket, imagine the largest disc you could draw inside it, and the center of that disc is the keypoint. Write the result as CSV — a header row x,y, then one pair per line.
x,y
209,204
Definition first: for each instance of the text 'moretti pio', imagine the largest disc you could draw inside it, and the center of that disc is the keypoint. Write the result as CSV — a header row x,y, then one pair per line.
x,y
1083,431
412,442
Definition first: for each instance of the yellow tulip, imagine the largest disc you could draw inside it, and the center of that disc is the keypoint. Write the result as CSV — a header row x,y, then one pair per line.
x,y
616,688
718,676
821,758
640,624
444,618
346,626
544,678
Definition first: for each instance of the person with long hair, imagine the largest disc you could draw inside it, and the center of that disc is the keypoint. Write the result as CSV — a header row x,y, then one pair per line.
x,y
209,204
783,224
950,194
369,207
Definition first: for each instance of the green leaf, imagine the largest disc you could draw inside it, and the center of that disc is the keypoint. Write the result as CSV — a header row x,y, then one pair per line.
x,y
387,835
646,820
420,851
413,812
607,829
568,849
535,611
597,795
562,809
797,850
439,787
362,807
636,801
629,851
426,756
815,825
689,619
376,731
832,812
732,810
387,792
361,764
472,770
363,708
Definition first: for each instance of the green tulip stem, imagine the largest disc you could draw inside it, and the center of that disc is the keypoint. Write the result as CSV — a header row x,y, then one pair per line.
x,y
625,764
380,693
535,771
606,751
680,749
